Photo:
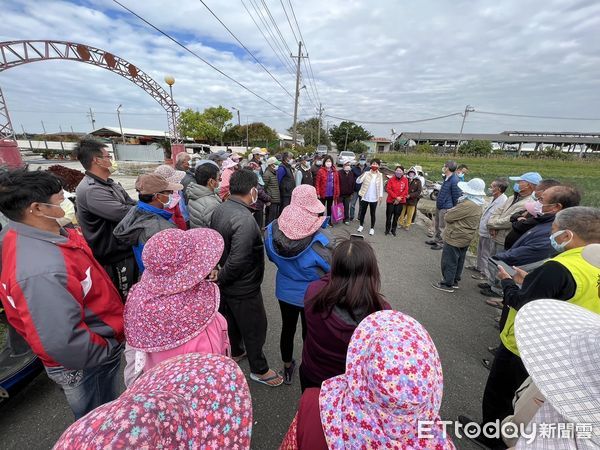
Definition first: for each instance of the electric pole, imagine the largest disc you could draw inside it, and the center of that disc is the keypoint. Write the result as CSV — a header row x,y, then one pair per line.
x,y
319,128
468,109
346,141
299,57
91,116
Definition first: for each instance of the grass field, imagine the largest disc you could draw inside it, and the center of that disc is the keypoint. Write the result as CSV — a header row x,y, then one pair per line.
x,y
585,174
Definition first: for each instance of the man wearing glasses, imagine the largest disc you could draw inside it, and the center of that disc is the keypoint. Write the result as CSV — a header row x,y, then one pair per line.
x,y
101,205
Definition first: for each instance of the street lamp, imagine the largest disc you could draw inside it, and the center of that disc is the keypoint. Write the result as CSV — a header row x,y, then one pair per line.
x,y
170,80
238,114
120,126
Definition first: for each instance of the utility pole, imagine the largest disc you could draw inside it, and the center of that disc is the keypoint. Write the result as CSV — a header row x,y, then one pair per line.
x,y
319,128
26,137
120,126
299,57
346,141
91,116
468,109
45,140
247,143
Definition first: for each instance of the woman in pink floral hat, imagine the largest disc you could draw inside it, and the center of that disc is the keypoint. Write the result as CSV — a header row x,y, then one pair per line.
x,y
301,249
191,401
229,166
173,310
393,381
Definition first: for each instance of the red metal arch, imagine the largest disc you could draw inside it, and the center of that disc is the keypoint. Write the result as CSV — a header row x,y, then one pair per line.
x,y
17,53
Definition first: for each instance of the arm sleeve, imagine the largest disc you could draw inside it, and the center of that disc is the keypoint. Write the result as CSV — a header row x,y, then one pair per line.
x,y
404,192
360,179
280,173
263,196
56,315
455,192
240,251
457,213
390,188
417,193
103,204
550,280
498,221
515,255
380,185
298,177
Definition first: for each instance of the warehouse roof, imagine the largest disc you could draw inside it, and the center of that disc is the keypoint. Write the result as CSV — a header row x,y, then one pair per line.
x,y
498,137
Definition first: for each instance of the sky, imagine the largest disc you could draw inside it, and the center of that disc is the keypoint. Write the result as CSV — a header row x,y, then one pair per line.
x,y
374,61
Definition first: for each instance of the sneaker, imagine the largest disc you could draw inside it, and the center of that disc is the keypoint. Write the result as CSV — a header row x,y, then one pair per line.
x,y
489,293
386,232
455,286
360,228
483,285
347,222
472,268
393,232
479,276
371,232
431,242
436,247
442,287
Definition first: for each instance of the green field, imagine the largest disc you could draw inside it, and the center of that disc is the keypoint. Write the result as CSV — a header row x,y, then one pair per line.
x,y
585,174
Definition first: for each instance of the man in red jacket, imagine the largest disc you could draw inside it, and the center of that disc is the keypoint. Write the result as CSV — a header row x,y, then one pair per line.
x,y
397,189
56,295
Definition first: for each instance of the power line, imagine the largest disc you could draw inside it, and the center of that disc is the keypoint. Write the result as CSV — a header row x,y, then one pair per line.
x,y
536,117
269,28
288,20
276,27
304,40
246,48
283,62
168,36
396,121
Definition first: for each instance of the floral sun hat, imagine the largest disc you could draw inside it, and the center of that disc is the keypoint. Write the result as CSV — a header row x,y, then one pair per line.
x,y
393,380
177,260
169,173
301,217
190,401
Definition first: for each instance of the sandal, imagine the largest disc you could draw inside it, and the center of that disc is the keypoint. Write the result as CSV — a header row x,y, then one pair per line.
x,y
288,372
267,381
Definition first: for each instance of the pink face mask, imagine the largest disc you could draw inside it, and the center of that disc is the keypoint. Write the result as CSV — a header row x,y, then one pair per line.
x,y
534,208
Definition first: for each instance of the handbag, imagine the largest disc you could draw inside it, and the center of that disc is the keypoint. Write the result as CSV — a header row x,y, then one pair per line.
x,y
337,212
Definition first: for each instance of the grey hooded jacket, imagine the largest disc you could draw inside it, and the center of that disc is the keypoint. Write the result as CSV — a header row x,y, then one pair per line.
x,y
201,204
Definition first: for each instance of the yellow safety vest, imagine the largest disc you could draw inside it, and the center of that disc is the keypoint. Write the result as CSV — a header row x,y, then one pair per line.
x,y
587,292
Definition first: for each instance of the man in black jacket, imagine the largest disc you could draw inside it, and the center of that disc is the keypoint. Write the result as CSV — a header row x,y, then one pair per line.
x,y
240,276
101,205
287,182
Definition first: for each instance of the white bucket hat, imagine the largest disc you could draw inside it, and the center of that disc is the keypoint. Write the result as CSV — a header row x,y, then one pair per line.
x,y
559,343
476,186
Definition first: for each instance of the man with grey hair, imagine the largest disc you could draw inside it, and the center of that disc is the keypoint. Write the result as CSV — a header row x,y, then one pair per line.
x,y
182,161
568,276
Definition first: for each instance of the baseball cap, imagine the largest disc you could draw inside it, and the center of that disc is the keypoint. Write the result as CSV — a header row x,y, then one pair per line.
x,y
530,177
259,151
153,184
273,160
218,156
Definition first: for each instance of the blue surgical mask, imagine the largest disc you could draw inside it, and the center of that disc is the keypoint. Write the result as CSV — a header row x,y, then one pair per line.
x,y
516,188
559,247
461,176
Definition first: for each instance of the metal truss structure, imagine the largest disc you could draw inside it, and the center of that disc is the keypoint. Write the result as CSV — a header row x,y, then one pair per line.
x,y
17,53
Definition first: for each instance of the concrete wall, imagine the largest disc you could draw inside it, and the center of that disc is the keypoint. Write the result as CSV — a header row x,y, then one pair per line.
x,y
146,153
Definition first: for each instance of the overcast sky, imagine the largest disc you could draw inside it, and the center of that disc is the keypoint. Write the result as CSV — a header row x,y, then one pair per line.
x,y
372,60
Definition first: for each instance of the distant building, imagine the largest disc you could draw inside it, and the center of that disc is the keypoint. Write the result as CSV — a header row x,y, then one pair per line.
x,y
134,136
286,140
378,145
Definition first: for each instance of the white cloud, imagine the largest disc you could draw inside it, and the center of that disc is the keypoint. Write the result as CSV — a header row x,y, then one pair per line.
x,y
384,60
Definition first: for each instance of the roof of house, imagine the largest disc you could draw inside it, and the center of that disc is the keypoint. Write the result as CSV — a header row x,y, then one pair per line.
x,y
380,139
130,132
499,137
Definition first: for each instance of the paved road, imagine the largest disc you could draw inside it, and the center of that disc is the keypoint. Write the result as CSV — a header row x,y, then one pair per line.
x,y
460,324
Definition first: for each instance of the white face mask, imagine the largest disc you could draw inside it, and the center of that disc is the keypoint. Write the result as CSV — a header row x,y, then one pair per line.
x,y
165,204
61,220
328,164
346,168
254,196
319,163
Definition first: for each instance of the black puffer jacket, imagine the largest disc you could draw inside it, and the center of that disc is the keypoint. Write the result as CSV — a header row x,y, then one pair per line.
x,y
243,260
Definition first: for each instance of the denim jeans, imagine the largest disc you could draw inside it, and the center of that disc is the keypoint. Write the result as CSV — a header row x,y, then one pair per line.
x,y
89,388
453,260
355,198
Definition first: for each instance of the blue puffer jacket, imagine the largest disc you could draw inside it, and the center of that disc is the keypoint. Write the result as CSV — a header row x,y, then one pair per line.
x,y
449,193
299,262
533,246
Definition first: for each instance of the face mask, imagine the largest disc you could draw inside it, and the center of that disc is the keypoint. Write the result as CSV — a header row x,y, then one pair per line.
x,y
489,191
254,197
516,188
374,167
165,204
328,164
346,169
461,176
113,167
559,247
411,176
534,208
291,162
60,219
399,173
319,163
362,162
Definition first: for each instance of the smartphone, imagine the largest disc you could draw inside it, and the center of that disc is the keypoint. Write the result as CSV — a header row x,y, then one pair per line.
x,y
509,270
358,237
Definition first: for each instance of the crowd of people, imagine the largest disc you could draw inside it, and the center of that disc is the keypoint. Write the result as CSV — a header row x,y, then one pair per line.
x,y
172,282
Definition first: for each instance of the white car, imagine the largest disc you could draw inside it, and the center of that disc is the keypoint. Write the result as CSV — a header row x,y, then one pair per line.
x,y
345,157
